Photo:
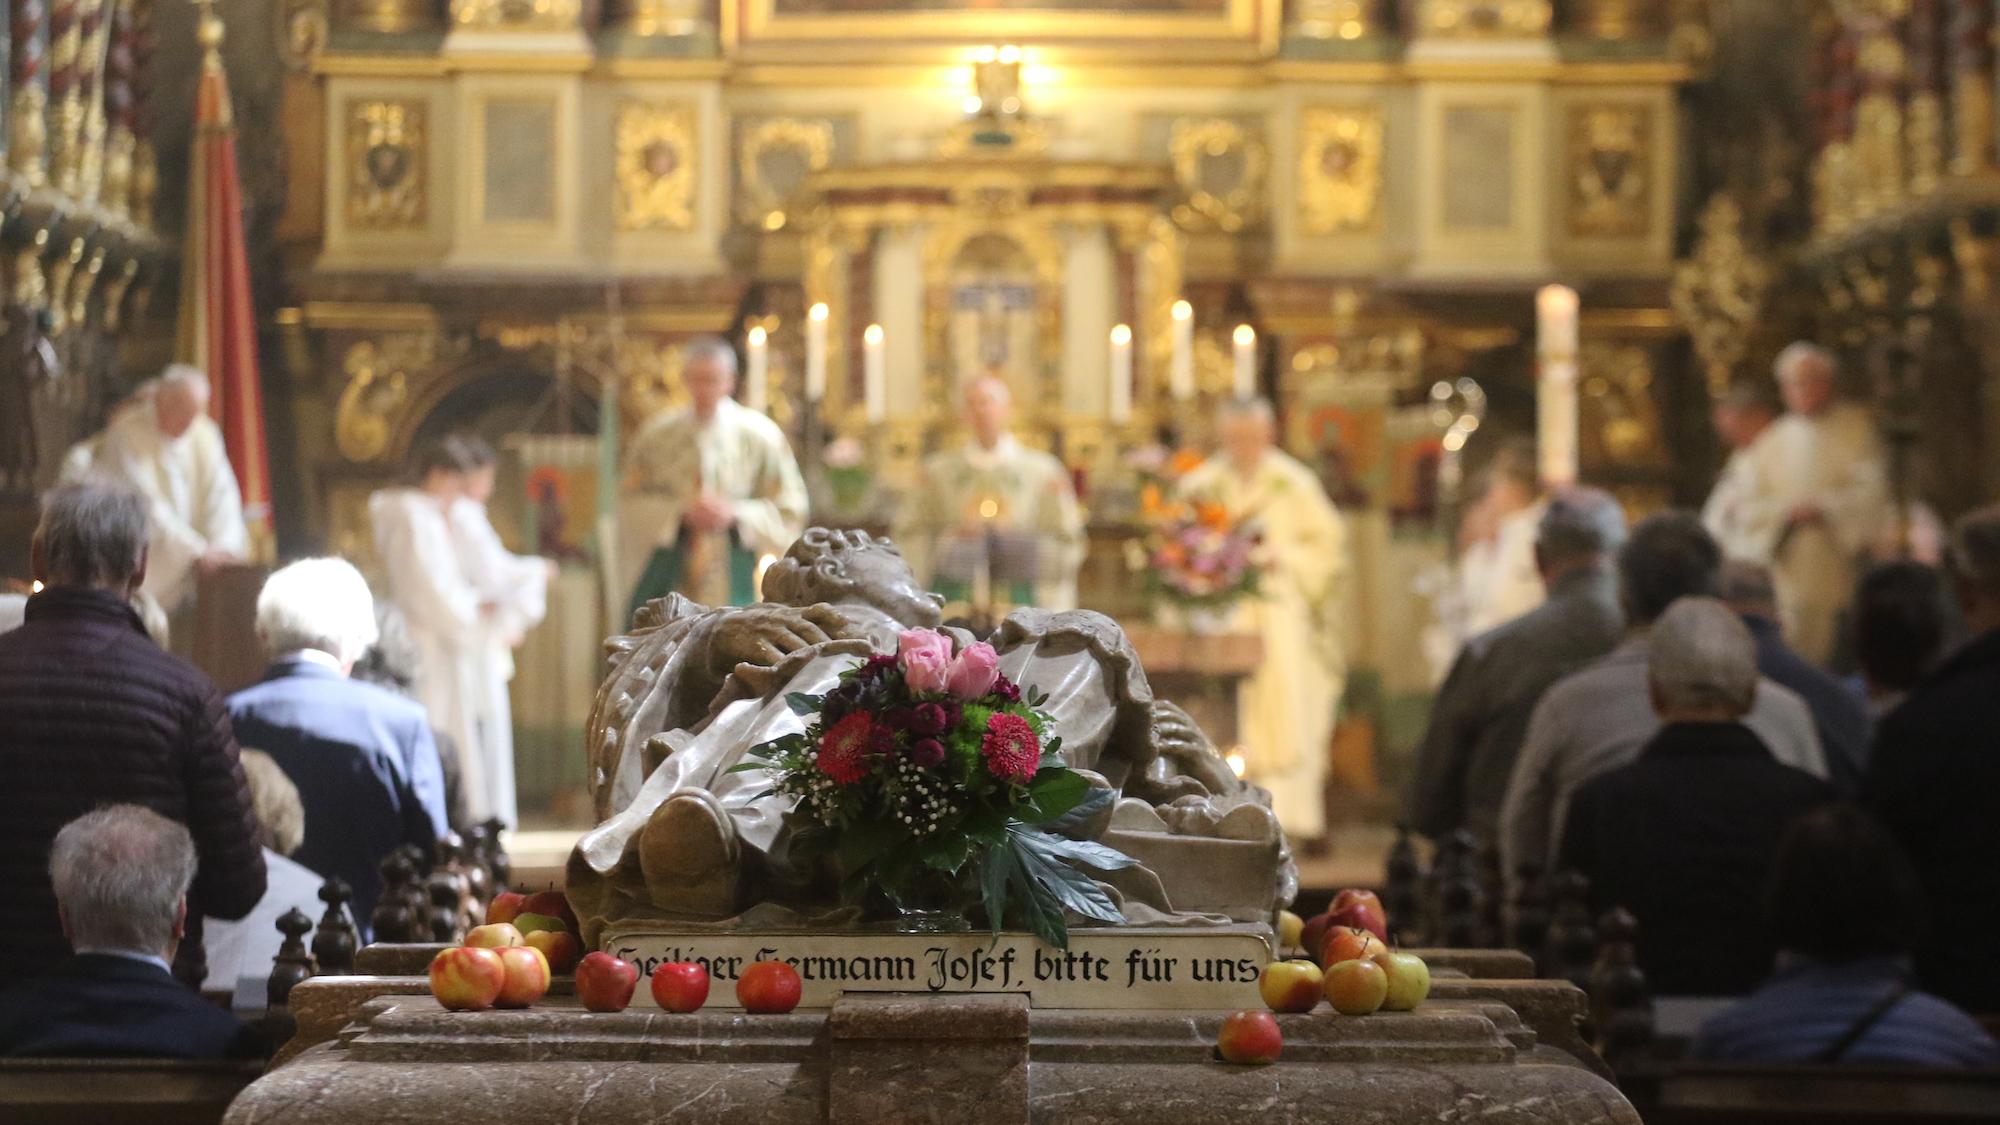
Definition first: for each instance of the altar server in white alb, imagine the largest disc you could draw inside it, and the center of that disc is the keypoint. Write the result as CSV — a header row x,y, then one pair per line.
x,y
1809,497
163,443
996,508
707,491
514,589
1286,710
448,619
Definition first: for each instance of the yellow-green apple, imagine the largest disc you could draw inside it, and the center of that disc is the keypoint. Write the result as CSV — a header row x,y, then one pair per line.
x,y
1409,979
1356,988
1249,1036
467,978
768,988
1361,910
529,922
551,902
560,947
1312,935
527,977
494,935
1290,926
605,983
505,906
1345,943
1290,986
680,986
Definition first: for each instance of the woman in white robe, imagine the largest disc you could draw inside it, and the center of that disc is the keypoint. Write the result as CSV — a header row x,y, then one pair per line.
x,y
515,588
446,615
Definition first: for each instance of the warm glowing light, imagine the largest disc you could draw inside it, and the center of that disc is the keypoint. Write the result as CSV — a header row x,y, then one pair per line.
x,y
1244,335
972,105
1036,74
1183,311
1121,334
873,335
757,581
1010,54
1236,763
36,587
986,54
757,335
818,312
1454,440
989,508
1010,106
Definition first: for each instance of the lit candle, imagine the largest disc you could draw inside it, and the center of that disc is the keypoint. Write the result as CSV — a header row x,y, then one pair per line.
x,y
1181,376
1244,340
1556,312
1121,374
874,374
756,369
816,353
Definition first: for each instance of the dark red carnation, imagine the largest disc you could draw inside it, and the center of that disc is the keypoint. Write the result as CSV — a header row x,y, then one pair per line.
x,y
930,719
1011,750
846,748
1007,690
928,752
902,719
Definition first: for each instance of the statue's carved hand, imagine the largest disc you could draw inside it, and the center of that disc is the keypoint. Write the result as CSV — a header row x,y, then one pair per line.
x,y
762,636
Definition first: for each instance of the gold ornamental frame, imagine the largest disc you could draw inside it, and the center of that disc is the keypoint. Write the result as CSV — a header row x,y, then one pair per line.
x,y
1235,29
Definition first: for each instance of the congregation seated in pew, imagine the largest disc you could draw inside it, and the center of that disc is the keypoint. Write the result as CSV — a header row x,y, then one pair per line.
x,y
121,877
1843,992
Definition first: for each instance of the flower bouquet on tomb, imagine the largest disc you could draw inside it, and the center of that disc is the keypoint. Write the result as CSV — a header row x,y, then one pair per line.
x,y
932,780
1197,564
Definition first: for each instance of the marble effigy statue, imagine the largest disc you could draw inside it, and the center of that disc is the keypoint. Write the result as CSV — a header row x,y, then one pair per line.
x,y
684,841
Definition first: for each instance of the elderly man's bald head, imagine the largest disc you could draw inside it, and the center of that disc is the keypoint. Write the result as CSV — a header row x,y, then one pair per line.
x,y
180,395
989,408
1703,663
1247,428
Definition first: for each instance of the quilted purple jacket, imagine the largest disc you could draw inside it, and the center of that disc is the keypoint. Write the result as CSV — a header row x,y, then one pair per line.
x,y
93,713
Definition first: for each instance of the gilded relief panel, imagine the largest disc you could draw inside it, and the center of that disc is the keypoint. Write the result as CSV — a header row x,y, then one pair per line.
x,y
386,153
774,158
1340,169
1220,168
1609,170
657,158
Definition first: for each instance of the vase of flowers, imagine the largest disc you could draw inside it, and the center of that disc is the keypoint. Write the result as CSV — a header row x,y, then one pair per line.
x,y
931,781
1197,564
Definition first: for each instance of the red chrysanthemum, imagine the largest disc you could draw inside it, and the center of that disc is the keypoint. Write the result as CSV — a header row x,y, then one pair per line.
x,y
1011,750
845,749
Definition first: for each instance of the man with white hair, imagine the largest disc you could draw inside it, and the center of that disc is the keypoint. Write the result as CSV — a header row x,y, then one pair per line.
x,y
994,510
1684,836
1810,497
708,490
363,758
121,877
164,444
1286,710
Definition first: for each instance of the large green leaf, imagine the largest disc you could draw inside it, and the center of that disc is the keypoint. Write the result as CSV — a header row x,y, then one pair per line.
x,y
865,843
1057,881
947,852
803,704
1053,792
1086,852
1093,802
996,867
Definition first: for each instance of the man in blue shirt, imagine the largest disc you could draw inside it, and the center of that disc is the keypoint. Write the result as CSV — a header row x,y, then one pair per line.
x,y
363,758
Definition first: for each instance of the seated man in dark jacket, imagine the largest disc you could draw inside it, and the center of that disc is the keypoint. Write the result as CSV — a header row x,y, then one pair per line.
x,y
1838,711
121,876
93,713
1684,836
362,757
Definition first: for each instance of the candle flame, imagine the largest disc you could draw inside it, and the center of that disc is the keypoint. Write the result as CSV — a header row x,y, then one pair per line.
x,y
1121,335
1183,311
36,588
757,335
873,335
1244,335
818,311
1236,763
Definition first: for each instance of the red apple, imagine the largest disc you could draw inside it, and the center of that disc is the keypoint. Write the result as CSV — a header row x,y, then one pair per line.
x,y
494,935
680,986
1356,988
527,977
504,906
1290,986
768,987
551,902
1249,1037
1409,980
530,923
560,947
1361,910
605,983
1312,935
1290,927
1345,943
467,978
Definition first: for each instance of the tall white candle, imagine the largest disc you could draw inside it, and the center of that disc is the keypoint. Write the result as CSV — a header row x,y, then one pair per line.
x,y
874,374
1121,374
1556,315
1244,343
816,353
756,369
1180,378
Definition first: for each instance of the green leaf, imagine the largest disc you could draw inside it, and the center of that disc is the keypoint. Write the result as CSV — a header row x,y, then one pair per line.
x,y
1094,802
1053,792
1086,852
996,867
1058,883
803,704
866,843
948,852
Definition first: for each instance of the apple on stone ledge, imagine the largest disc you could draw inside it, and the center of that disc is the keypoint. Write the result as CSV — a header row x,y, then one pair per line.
x,y
1249,1036
560,947
605,983
1356,988
527,977
505,906
680,986
467,978
494,935
1361,910
1409,980
1345,943
768,988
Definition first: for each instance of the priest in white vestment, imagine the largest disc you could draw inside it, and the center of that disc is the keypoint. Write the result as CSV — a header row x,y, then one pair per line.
x,y
1498,578
1740,417
994,522
1812,498
163,443
707,492
515,591
447,616
1286,710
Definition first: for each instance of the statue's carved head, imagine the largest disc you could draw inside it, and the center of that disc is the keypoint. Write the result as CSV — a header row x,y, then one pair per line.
x,y
835,566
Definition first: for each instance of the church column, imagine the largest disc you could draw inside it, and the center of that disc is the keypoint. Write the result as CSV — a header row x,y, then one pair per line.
x,y
28,87
1089,289
1971,44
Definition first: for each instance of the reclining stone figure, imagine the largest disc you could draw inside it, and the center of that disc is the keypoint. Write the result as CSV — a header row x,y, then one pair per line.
x,y
691,689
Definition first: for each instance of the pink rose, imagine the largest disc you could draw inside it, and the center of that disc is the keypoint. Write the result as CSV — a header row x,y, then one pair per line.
x,y
973,671
926,658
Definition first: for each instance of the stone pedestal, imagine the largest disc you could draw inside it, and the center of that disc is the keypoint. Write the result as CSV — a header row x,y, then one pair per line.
x,y
378,1049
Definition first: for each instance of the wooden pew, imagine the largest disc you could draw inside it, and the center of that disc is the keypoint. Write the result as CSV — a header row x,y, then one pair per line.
x,y
1715,1093
120,1091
